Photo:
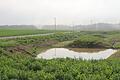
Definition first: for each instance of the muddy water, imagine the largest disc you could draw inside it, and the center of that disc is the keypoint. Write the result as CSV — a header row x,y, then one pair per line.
x,y
64,53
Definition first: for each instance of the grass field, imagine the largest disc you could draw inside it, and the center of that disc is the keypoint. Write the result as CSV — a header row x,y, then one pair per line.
x,y
12,32
17,58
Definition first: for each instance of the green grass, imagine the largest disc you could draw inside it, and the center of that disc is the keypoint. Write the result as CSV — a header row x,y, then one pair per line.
x,y
11,32
63,44
59,37
23,67
89,41
8,43
17,59
81,39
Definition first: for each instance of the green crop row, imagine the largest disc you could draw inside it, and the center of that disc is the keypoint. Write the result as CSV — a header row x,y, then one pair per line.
x,y
23,67
12,32
15,64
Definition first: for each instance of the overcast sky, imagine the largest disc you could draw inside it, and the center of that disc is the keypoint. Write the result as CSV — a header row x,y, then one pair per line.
x,y
66,11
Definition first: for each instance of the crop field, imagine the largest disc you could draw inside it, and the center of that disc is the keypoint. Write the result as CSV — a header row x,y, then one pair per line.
x,y
12,32
59,40
18,57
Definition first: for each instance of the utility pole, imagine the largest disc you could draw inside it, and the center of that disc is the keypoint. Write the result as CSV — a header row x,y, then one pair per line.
x,y
55,24
91,22
73,28
96,27
55,31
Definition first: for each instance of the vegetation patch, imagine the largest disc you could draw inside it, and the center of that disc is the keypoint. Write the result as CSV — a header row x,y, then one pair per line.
x,y
62,44
17,58
89,42
24,67
17,32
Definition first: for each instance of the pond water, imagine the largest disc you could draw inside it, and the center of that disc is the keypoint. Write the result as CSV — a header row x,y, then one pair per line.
x,y
64,53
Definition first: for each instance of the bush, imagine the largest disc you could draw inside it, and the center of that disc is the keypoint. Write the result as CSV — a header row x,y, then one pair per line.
x,y
89,42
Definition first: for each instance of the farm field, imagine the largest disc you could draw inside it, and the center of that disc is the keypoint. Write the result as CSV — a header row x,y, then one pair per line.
x,y
59,40
17,32
18,57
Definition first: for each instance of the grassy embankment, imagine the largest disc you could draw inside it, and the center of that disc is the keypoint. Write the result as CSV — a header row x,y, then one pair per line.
x,y
34,43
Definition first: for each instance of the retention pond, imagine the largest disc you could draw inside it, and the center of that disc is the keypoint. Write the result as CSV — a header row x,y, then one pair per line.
x,y
78,53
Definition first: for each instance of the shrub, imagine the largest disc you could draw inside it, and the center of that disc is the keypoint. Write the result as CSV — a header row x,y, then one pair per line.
x,y
89,42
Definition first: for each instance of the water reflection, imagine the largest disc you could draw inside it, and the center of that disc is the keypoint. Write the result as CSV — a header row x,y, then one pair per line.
x,y
64,53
